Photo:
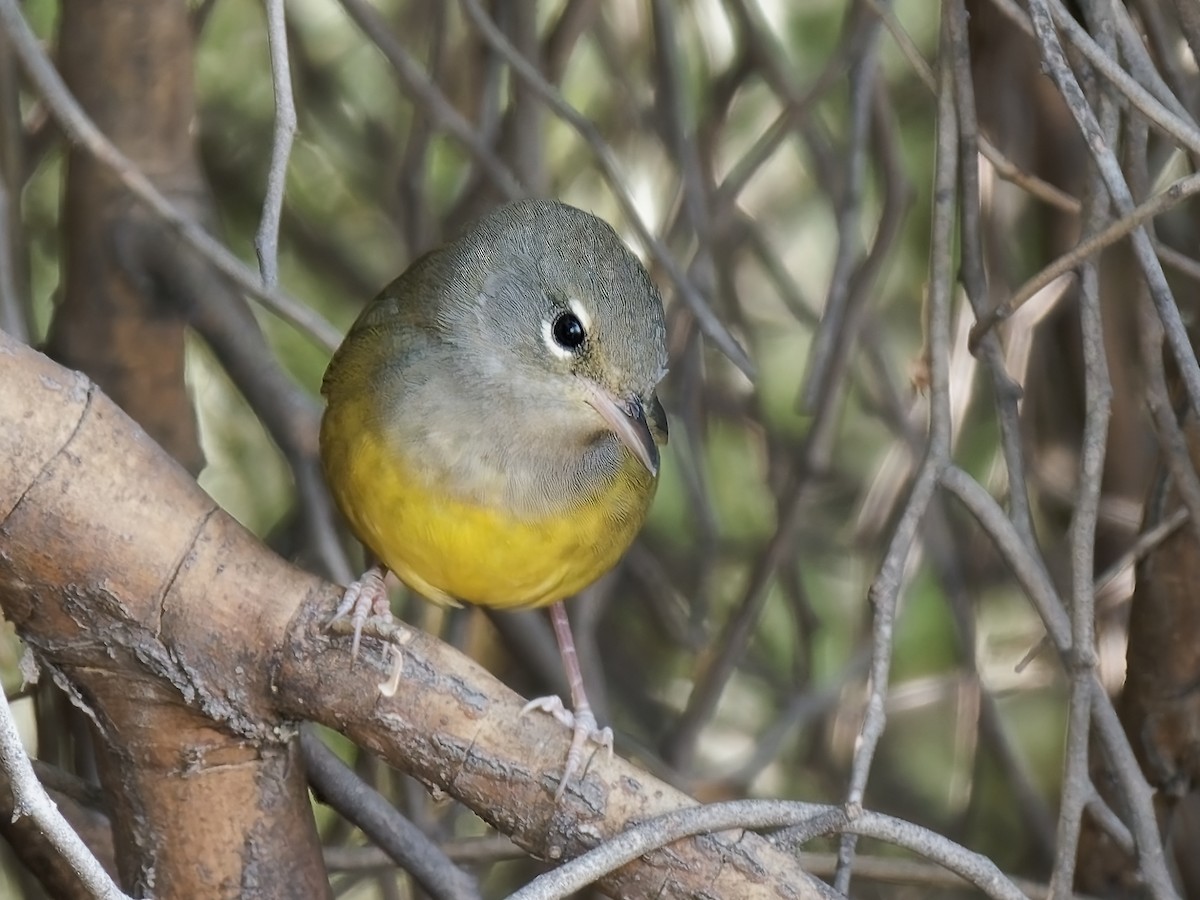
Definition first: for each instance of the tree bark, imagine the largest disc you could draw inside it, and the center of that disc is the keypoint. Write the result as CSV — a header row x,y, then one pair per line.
x,y
129,64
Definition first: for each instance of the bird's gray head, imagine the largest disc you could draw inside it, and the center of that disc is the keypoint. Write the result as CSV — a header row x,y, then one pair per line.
x,y
563,317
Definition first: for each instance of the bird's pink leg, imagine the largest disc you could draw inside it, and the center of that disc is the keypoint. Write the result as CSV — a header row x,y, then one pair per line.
x,y
581,721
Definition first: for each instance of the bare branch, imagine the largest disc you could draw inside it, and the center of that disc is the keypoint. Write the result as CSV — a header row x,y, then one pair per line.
x,y
266,241
30,799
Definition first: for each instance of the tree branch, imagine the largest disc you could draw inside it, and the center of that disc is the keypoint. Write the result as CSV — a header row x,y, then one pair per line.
x,y
131,586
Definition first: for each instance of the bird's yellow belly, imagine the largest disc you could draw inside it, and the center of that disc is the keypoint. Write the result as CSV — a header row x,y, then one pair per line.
x,y
447,549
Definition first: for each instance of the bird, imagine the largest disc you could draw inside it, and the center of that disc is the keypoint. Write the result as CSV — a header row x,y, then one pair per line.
x,y
492,427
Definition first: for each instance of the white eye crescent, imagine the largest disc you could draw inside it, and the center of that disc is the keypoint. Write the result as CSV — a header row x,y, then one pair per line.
x,y
581,313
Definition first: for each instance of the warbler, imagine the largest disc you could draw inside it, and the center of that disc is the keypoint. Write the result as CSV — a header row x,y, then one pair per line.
x,y
492,428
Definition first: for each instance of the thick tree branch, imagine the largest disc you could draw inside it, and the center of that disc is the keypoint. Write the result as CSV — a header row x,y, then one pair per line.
x,y
207,794
132,587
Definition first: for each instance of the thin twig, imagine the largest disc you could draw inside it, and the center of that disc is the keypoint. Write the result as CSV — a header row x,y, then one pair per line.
x,y
917,873
1181,263
757,814
266,240
12,310
82,130
1116,231
832,334
886,588
1006,394
335,784
611,167
1110,171
415,80
1077,786
1175,123
1004,167
1035,581
30,799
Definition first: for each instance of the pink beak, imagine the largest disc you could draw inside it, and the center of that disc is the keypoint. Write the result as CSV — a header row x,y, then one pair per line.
x,y
627,419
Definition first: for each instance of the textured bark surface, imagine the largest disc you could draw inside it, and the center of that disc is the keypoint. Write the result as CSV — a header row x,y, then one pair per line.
x,y
129,63
199,769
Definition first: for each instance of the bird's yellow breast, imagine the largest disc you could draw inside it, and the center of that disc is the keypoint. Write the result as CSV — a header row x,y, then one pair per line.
x,y
449,549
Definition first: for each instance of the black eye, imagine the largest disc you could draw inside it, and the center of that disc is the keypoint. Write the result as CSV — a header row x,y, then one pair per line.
x,y
568,331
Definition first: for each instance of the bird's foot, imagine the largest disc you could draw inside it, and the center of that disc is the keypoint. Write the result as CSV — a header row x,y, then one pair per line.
x,y
365,598
583,730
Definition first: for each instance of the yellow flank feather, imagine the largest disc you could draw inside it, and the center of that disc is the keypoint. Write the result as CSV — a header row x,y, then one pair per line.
x,y
448,550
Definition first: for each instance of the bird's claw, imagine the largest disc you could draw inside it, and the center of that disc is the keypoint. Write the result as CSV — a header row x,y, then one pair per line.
x,y
583,730
552,706
365,598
